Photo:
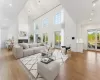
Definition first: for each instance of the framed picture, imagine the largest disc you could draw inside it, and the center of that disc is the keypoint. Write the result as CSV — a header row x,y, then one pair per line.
x,y
22,34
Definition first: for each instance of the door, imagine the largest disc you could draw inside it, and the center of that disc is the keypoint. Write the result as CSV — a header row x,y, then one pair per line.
x,y
92,39
45,38
36,38
98,40
57,39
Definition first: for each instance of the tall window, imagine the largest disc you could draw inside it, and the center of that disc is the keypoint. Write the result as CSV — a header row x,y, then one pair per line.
x,y
45,38
35,27
57,39
59,17
45,22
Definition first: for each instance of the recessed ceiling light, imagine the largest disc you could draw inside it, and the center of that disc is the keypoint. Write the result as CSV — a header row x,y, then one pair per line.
x,y
90,19
10,5
94,4
92,14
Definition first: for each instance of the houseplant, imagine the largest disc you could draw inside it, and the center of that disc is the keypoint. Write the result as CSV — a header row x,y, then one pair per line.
x,y
31,38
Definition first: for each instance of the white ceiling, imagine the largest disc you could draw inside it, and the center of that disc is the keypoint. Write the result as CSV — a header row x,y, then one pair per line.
x,y
80,10
36,8
9,9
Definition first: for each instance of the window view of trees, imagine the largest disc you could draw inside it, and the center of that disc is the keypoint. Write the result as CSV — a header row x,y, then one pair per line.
x,y
94,39
98,39
91,39
45,38
45,22
57,39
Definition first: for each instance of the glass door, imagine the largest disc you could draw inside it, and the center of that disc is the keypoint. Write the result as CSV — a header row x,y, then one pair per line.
x,y
45,38
98,40
92,39
57,39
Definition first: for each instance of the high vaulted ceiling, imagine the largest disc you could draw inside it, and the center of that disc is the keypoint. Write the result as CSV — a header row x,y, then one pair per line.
x,y
80,10
9,9
36,8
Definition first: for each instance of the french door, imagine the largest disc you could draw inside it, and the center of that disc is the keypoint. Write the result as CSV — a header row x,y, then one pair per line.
x,y
57,39
98,40
94,39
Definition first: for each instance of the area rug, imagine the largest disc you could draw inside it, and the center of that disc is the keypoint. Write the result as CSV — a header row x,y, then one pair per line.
x,y
30,62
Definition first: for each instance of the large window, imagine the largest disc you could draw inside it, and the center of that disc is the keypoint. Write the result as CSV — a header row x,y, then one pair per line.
x,y
45,22
57,39
94,39
35,27
59,17
45,38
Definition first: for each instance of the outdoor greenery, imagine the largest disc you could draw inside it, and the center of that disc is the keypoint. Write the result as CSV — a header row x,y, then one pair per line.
x,y
92,39
45,38
31,38
57,38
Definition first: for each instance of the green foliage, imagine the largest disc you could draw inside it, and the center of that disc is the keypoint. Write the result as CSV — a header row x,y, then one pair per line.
x,y
57,38
92,38
45,37
31,38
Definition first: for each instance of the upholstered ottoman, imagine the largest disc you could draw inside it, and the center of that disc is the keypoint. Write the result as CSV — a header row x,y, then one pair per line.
x,y
48,71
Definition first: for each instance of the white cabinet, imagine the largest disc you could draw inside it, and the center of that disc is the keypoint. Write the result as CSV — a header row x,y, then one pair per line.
x,y
80,47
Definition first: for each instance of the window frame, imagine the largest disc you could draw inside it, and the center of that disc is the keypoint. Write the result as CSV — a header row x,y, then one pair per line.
x,y
60,19
45,24
45,40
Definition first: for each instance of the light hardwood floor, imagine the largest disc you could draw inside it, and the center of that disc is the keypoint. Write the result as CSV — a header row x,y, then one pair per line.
x,y
10,68
79,67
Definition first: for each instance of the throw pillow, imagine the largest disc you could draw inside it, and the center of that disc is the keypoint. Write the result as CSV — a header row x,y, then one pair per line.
x,y
25,46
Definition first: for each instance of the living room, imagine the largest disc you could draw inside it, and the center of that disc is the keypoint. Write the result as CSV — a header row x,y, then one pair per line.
x,y
49,40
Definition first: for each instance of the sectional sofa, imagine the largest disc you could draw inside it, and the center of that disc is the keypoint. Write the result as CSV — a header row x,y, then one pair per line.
x,y
25,49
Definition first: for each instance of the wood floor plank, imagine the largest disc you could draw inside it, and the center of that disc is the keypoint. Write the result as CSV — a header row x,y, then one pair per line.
x,y
79,67
10,69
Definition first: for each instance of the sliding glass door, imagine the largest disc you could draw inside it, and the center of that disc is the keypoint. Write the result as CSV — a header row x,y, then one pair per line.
x,y
98,39
57,39
94,39
91,39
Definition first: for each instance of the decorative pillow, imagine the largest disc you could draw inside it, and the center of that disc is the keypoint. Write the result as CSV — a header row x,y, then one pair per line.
x,y
25,46
21,45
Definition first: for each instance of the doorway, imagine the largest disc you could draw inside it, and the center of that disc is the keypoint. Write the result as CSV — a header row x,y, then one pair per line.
x,y
57,39
36,38
94,39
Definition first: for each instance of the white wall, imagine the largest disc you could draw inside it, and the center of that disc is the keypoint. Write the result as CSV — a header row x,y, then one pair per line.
x,y
4,34
0,38
51,28
84,32
70,28
70,31
13,32
23,23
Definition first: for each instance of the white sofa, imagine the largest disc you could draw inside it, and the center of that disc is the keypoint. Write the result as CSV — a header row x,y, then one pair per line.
x,y
25,49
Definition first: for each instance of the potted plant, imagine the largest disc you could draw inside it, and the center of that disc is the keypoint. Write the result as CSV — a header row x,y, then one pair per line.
x,y
31,38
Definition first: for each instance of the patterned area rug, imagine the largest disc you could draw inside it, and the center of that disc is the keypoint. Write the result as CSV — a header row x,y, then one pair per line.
x,y
31,62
